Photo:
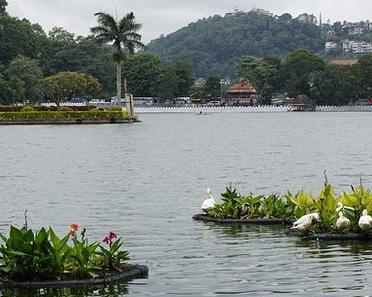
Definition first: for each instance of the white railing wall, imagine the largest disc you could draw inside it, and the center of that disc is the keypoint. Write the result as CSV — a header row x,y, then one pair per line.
x,y
244,109
345,108
211,109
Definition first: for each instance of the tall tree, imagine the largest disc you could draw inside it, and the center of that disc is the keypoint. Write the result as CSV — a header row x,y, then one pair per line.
x,y
185,78
297,71
213,86
143,72
3,5
166,87
123,35
262,73
364,72
336,85
28,71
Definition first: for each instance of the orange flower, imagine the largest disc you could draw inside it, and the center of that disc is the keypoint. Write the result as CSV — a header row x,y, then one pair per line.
x,y
73,229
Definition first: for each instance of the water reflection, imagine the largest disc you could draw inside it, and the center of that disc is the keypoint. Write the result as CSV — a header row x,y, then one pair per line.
x,y
354,247
114,290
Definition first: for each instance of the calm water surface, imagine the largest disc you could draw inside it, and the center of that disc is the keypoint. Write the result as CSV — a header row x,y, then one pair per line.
x,y
146,180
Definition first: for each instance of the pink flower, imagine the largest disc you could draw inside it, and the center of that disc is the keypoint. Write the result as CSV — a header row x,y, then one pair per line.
x,y
110,237
113,235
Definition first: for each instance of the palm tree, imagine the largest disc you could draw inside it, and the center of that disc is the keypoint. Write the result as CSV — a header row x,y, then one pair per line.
x,y
123,36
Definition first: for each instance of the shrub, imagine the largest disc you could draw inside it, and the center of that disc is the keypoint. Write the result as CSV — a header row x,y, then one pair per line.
x,y
27,109
114,108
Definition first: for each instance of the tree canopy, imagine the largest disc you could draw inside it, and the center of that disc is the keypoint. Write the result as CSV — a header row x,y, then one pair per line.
x,y
67,85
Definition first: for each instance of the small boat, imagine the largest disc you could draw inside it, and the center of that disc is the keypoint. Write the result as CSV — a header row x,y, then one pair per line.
x,y
201,113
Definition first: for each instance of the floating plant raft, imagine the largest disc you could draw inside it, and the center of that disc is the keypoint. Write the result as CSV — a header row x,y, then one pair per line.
x,y
129,273
332,236
260,221
42,259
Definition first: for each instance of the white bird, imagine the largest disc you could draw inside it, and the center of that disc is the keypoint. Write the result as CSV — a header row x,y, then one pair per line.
x,y
365,221
305,222
209,202
342,222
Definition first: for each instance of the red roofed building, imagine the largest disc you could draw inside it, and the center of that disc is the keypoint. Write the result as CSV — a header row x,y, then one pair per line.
x,y
242,93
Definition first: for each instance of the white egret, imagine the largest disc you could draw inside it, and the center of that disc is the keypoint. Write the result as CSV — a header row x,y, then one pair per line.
x,y
304,223
209,202
365,221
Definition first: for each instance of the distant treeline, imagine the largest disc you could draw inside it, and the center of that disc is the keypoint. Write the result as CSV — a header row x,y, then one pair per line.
x,y
304,73
28,56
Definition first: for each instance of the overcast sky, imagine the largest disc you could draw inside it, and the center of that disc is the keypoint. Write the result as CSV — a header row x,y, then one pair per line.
x,y
165,16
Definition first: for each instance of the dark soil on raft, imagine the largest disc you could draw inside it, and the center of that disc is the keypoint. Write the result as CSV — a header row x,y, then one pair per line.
x,y
273,221
128,273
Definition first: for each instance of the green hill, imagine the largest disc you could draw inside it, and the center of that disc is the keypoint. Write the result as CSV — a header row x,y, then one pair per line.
x,y
214,44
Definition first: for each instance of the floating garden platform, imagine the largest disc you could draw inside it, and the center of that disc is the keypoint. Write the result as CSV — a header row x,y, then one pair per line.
x,y
332,236
325,216
42,259
127,274
261,221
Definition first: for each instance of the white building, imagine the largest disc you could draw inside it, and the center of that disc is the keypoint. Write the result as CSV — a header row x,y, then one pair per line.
x,y
356,47
262,12
330,45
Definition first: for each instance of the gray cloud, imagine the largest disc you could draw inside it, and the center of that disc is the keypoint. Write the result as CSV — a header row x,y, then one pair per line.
x,y
165,16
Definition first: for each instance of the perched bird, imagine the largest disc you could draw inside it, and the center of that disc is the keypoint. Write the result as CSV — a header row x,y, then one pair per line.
x,y
342,222
209,202
243,210
304,223
365,221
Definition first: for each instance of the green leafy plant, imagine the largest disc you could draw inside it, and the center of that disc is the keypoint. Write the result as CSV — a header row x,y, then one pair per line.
x,y
112,256
42,255
237,206
325,204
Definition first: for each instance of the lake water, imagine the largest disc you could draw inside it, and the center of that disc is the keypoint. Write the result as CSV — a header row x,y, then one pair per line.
x,y
146,180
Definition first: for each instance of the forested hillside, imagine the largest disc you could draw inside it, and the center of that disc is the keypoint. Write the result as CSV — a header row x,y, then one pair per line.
x,y
28,55
214,44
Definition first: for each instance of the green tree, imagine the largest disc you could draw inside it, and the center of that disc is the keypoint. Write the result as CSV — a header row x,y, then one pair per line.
x,y
336,85
143,72
61,35
67,85
213,86
297,71
122,34
5,91
185,78
28,71
167,84
262,73
19,37
86,56
3,5
17,90
364,72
